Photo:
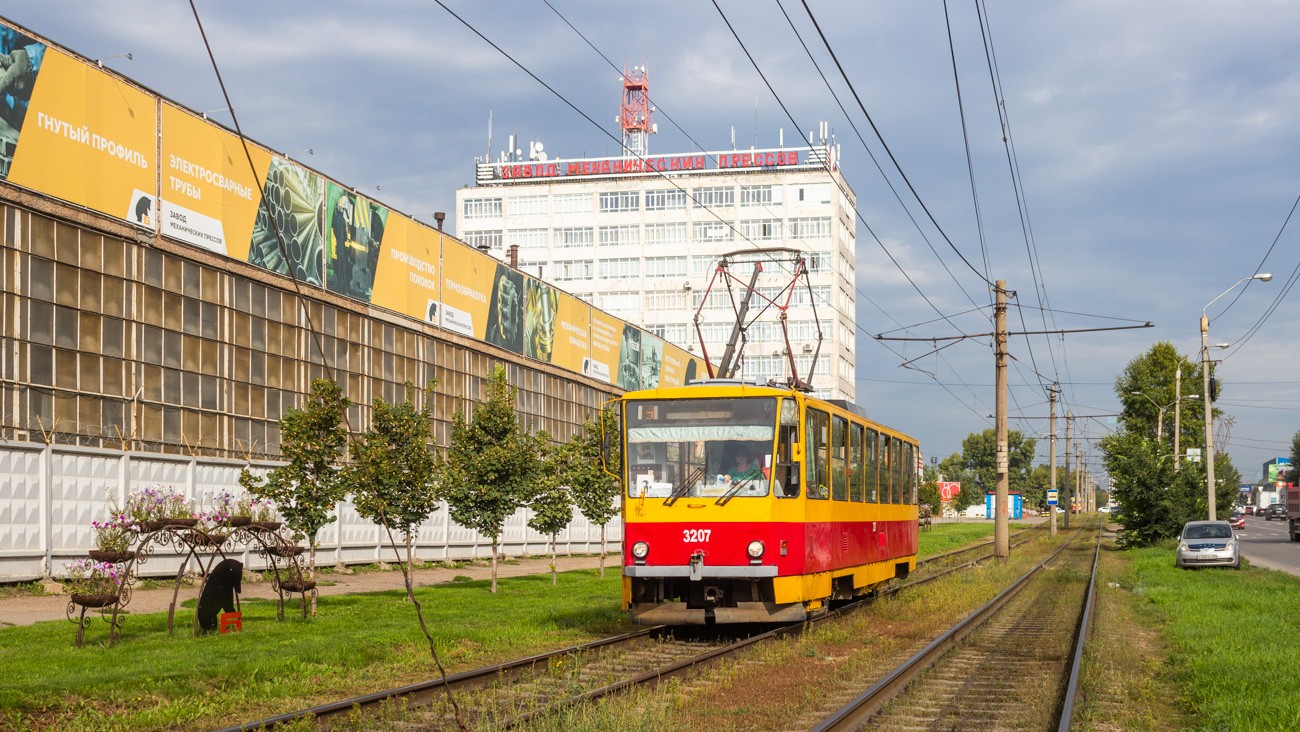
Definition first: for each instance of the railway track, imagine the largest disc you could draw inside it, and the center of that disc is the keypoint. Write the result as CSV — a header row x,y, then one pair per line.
x,y
1011,665
507,694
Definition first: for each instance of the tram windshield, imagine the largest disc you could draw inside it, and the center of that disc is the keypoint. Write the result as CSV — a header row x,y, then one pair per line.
x,y
690,448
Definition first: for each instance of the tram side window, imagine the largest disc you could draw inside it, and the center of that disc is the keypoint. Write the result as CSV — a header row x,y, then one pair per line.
x,y
839,458
817,459
787,436
885,471
855,463
896,471
873,464
909,475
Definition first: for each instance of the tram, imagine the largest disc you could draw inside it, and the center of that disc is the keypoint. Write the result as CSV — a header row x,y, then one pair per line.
x,y
748,502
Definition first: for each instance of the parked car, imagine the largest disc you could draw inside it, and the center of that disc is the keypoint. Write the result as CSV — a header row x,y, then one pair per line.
x,y
1207,544
1276,511
1237,520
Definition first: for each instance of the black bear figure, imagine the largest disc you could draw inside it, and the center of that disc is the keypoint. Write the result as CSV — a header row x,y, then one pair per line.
x,y
219,592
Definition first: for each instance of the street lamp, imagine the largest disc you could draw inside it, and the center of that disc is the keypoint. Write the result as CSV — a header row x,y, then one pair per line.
x,y
1160,416
1205,375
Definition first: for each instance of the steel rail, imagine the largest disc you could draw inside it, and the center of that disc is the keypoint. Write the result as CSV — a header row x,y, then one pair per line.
x,y
1080,640
464,680
864,705
475,678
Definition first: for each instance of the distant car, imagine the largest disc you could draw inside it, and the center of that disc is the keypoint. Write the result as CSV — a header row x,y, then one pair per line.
x,y
1207,544
1237,520
1277,511
1249,510
1104,509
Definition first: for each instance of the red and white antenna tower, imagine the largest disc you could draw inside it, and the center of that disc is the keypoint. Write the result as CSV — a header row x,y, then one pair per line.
x,y
634,114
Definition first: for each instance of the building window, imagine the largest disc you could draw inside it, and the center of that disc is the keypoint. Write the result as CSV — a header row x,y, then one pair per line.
x,y
527,238
575,236
621,302
757,196
482,208
665,234
620,269
665,300
536,269
710,231
571,269
672,199
701,266
812,193
675,333
665,266
818,262
620,201
814,228
715,197
613,236
571,203
760,229
526,206
483,239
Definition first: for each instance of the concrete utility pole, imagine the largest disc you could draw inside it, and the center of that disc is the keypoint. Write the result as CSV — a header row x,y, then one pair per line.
x,y
1001,529
1209,411
1051,510
1065,517
1178,414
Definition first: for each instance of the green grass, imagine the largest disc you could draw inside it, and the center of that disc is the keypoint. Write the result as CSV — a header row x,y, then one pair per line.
x,y
941,538
356,643
1233,639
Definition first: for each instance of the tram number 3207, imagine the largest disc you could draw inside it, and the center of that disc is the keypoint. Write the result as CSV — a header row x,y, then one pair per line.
x,y
691,536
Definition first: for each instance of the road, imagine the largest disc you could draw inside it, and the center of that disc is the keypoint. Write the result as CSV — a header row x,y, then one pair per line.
x,y
1266,544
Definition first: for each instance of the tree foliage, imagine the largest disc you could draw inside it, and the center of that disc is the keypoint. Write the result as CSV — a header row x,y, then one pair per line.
x,y
489,463
550,499
975,467
1293,475
593,489
393,475
312,440
1157,496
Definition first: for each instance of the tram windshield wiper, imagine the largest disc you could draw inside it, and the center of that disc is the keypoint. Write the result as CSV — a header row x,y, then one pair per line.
x,y
731,492
681,488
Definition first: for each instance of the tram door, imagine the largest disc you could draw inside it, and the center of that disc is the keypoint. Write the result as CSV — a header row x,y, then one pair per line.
x,y
787,438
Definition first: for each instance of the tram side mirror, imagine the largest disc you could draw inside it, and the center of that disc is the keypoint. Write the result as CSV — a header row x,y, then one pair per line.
x,y
787,480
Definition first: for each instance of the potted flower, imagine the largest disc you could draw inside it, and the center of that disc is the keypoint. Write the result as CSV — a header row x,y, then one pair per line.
x,y
263,512
156,507
241,511
93,584
113,536
210,529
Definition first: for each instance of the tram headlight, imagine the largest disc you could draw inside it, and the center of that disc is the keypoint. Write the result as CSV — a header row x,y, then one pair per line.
x,y
755,549
640,550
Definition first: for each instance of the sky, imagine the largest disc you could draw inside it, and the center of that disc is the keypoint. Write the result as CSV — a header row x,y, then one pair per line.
x,y
1154,143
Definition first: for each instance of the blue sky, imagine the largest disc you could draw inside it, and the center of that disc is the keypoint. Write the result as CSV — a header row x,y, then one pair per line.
x,y
1155,142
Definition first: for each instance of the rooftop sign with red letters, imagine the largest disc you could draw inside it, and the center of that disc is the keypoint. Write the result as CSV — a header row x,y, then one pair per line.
x,y
758,160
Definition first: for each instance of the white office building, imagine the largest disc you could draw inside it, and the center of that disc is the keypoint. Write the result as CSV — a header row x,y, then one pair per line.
x,y
640,238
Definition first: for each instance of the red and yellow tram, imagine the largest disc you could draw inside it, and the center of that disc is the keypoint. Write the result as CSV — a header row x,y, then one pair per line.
x,y
752,503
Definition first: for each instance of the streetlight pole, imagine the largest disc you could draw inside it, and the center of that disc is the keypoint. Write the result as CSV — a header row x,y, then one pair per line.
x,y
1178,413
1205,378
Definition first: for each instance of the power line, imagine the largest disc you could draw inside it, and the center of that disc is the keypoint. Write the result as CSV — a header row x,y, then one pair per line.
x,y
879,137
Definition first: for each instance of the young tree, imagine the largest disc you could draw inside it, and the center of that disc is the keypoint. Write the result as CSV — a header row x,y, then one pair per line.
x,y
392,479
1293,474
312,440
489,463
593,489
393,472
550,501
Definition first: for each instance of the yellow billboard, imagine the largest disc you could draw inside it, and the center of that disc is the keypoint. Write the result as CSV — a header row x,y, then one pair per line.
x,y
606,342
209,195
407,276
467,278
556,326
86,137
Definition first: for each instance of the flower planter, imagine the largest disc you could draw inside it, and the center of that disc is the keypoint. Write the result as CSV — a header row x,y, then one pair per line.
x,y
181,522
288,551
111,557
293,585
237,521
94,600
267,525
199,538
